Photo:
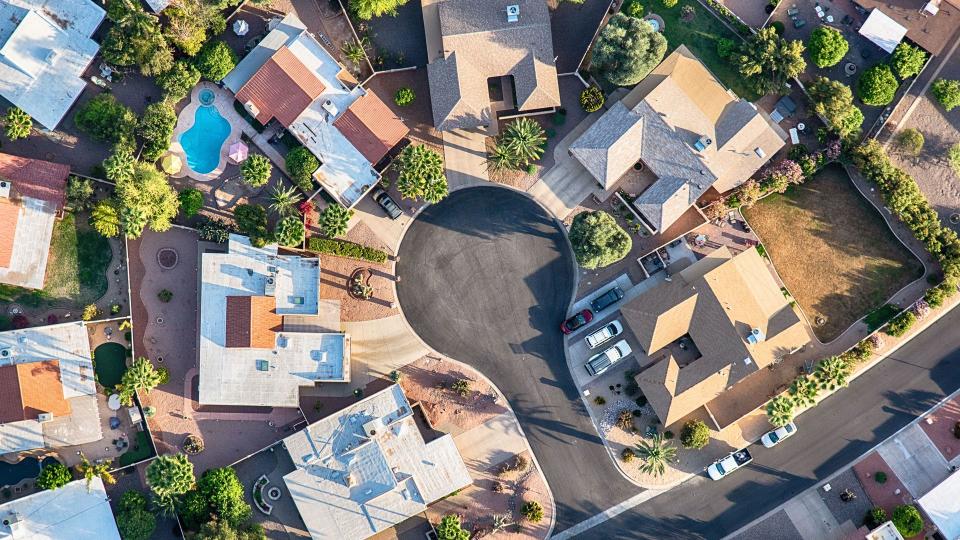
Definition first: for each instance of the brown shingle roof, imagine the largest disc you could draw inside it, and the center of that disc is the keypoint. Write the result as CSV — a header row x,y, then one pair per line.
x,y
9,215
36,178
371,126
282,88
31,389
252,322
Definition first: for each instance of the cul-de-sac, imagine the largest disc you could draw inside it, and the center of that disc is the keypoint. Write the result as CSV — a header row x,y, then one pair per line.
x,y
464,269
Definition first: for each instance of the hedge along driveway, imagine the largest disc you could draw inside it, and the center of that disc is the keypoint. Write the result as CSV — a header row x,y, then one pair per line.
x,y
832,250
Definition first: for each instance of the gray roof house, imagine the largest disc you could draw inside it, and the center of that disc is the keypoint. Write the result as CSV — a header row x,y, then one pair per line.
x,y
469,42
368,467
688,129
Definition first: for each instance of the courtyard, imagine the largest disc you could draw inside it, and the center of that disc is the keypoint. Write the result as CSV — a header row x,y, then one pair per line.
x,y
825,228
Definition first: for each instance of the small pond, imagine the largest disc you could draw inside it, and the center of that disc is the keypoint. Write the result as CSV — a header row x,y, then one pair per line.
x,y
110,361
11,475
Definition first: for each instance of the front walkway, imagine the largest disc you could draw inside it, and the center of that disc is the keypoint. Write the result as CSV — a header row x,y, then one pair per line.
x,y
465,157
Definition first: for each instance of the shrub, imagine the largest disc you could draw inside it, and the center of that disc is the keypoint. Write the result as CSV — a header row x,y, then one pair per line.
x,y
695,435
901,323
165,296
341,248
17,124
164,377
449,528
668,435
633,8
532,511
421,174
191,201
404,97
907,60
726,47
627,455
669,3
907,520
301,164
880,477
877,85
79,193
461,387
953,158
252,221
947,93
827,46
910,141
255,170
956,430
778,27
876,517
289,232
53,476
600,400
333,220
625,420
215,60
214,230
591,99
90,312
106,119
598,240
936,296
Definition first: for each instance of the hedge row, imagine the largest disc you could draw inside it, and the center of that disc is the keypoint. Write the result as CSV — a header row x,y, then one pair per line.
x,y
342,248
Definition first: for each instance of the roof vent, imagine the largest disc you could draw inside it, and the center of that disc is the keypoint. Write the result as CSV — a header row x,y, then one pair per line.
x,y
756,336
330,108
252,109
5,186
702,143
44,417
759,152
513,13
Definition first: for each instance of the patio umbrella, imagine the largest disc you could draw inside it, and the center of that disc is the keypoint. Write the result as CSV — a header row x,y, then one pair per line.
x,y
238,152
240,27
171,163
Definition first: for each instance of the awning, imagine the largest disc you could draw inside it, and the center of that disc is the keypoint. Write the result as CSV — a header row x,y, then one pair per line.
x,y
942,505
240,27
238,152
885,32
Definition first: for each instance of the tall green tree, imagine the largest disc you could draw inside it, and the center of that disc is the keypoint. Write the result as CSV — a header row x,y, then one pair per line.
x,y
141,375
450,528
627,50
178,82
218,529
121,164
368,9
191,201
421,174
170,476
597,239
215,60
827,46
300,165
17,124
877,85
156,129
655,455
134,521
768,61
832,373
334,219
224,493
907,60
106,119
834,101
54,475
79,193
146,200
105,218
135,39
289,232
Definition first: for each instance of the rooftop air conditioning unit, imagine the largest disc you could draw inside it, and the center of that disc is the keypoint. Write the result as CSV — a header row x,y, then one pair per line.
x,y
513,13
5,186
330,108
44,417
252,109
270,288
702,143
759,152
756,336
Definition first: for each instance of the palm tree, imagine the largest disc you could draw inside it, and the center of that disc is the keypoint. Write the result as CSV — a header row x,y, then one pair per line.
x,y
525,140
655,455
17,123
780,411
89,470
139,376
832,373
804,390
283,201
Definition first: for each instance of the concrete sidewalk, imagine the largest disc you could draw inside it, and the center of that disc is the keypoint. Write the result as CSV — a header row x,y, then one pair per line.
x,y
465,157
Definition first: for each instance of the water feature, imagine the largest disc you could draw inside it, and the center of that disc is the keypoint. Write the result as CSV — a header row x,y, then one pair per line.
x,y
203,141
11,475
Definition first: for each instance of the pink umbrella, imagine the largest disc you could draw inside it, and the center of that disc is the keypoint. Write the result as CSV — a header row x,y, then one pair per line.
x,y
238,152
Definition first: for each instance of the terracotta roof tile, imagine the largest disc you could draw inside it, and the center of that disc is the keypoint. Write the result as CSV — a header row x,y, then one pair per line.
x,y
252,322
371,127
36,178
9,215
282,88
31,389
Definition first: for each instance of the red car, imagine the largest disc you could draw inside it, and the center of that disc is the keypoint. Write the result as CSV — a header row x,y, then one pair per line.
x,y
576,321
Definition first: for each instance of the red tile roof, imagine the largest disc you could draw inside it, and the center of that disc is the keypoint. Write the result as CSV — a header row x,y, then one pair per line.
x,y
371,126
282,88
31,389
36,178
9,215
252,322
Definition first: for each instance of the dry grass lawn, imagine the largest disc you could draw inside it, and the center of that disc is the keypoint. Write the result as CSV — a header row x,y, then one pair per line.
x,y
833,250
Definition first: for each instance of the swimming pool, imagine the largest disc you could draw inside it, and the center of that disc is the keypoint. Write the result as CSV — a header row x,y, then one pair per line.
x,y
11,475
202,142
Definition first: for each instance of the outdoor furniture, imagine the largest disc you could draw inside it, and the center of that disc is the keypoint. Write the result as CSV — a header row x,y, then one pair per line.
x,y
114,422
113,402
819,11
829,18
794,137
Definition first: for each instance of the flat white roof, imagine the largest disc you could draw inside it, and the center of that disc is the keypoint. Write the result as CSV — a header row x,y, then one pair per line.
x,y
367,468
885,32
31,244
66,342
46,47
158,5
942,505
21,436
71,511
267,377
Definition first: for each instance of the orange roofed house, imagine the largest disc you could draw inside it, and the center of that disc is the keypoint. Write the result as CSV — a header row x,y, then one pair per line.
x,y
32,195
715,323
291,79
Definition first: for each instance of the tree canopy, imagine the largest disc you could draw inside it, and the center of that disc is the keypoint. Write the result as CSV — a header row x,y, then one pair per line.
x,y
156,129
834,100
178,82
449,528
421,174
289,231
106,119
134,521
17,124
105,218
169,476
768,61
947,93
597,239
255,170
141,375
146,200
191,201
877,85
135,39
368,9
907,60
54,475
301,164
333,220
627,50
827,46
215,60
224,494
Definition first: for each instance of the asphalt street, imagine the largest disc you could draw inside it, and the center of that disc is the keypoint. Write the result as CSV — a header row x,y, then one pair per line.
x,y
486,277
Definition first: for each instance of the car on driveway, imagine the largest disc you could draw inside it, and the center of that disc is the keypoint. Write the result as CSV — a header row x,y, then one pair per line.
x,y
773,438
602,362
606,299
387,203
577,321
727,465
603,335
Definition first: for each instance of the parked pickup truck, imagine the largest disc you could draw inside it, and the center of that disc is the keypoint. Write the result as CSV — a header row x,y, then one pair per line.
x,y
727,465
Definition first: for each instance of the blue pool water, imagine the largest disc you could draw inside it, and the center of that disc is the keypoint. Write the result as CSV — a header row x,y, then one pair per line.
x,y
11,475
202,142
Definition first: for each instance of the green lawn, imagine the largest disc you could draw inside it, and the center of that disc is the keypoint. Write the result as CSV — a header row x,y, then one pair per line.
x,y
700,36
139,450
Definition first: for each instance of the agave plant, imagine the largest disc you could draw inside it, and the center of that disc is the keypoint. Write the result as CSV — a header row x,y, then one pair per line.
x,y
780,411
804,391
284,201
500,158
832,373
525,140
655,455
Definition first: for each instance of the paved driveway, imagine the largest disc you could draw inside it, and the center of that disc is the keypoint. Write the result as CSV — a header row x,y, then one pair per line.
x,y
486,276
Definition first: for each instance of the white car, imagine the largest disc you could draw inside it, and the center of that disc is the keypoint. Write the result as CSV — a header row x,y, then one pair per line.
x,y
604,334
773,438
727,465
602,362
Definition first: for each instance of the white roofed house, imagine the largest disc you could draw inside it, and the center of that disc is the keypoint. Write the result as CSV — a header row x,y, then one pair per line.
x,y
291,79
74,511
45,47
368,467
263,331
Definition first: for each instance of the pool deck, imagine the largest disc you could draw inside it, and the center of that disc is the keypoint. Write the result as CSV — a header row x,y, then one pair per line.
x,y
224,105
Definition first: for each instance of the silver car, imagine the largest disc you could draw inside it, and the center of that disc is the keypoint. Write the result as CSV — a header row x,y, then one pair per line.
x,y
601,336
602,362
